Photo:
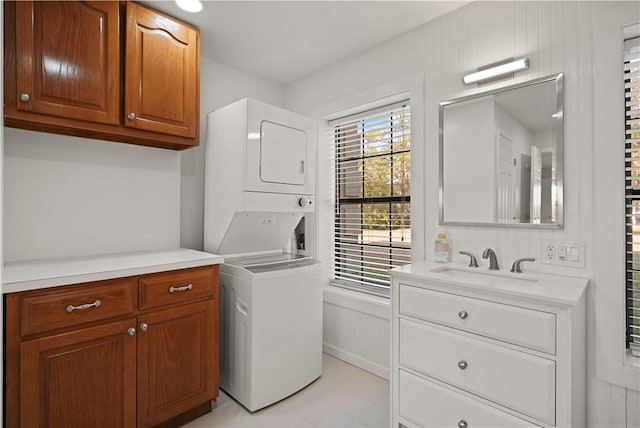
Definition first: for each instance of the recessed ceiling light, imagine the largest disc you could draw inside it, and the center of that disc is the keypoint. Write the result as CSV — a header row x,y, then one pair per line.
x,y
192,6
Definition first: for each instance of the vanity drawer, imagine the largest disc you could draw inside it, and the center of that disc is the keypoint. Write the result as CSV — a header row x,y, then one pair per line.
x,y
525,327
179,286
76,304
427,404
514,379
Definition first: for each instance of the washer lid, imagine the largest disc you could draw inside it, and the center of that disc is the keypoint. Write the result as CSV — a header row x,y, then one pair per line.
x,y
272,262
251,232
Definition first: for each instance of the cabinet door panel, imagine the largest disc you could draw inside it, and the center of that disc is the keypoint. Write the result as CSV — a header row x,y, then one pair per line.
x,y
79,379
162,74
69,61
177,361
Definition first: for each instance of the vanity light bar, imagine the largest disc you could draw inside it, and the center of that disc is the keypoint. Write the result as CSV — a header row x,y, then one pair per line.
x,y
495,70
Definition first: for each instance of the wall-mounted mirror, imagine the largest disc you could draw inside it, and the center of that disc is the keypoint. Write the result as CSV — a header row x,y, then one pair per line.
x,y
501,156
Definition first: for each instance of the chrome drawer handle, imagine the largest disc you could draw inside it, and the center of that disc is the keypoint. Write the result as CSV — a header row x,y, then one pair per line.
x,y
462,424
95,304
462,364
131,331
185,288
463,315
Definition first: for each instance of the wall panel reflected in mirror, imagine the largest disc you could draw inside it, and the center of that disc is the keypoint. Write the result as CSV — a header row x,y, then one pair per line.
x,y
501,156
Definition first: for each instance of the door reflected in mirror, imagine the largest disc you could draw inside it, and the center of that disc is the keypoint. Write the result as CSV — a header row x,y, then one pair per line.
x,y
501,156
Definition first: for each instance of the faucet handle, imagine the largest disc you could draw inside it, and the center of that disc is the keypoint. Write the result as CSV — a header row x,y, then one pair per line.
x,y
516,265
473,262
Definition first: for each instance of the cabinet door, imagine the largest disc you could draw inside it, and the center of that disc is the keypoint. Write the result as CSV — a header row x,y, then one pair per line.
x,y
68,59
177,361
162,73
83,378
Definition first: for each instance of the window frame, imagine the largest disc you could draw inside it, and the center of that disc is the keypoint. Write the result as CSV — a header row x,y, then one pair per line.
x,y
613,363
375,286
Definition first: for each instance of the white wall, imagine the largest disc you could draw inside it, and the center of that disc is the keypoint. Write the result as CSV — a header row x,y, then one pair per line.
x,y
557,37
219,85
69,196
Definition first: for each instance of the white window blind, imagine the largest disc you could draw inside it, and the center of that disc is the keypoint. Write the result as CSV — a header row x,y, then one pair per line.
x,y
632,190
372,231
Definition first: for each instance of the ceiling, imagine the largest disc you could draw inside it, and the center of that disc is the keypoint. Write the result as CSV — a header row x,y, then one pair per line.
x,y
287,40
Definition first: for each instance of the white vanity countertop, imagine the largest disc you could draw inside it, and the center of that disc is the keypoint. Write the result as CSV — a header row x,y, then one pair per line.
x,y
543,287
36,274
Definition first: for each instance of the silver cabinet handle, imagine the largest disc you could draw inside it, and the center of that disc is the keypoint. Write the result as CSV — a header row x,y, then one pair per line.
x,y
463,315
144,326
462,424
185,288
462,364
24,97
131,116
131,331
95,304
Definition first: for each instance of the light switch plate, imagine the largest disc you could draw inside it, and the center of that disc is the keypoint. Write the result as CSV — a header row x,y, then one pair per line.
x,y
564,253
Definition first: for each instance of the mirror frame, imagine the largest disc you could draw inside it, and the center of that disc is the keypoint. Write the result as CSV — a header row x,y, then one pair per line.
x,y
558,136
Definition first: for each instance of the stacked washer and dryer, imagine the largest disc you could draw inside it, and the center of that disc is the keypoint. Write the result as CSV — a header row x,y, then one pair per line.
x,y
260,215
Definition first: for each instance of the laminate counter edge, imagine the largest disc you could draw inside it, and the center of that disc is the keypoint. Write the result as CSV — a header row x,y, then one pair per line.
x,y
37,274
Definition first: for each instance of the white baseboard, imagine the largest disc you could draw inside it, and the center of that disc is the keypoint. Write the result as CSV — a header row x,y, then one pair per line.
x,y
357,361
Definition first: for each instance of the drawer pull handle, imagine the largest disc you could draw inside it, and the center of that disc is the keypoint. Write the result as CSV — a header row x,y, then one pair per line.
x,y
462,364
95,304
185,288
131,331
463,315
462,424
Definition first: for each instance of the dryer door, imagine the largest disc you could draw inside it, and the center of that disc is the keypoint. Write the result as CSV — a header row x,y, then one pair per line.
x,y
282,154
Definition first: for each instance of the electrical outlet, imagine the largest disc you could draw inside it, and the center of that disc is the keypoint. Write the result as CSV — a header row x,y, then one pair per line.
x,y
564,253
549,252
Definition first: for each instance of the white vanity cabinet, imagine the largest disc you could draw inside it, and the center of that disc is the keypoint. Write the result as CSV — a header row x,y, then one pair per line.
x,y
484,349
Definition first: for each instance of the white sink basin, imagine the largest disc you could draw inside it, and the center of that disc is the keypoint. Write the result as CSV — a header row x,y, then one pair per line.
x,y
484,276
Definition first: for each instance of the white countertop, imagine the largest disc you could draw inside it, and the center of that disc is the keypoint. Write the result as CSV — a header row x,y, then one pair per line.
x,y
35,274
536,286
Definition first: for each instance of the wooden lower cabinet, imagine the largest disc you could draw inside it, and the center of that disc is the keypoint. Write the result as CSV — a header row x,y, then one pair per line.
x,y
134,369
83,378
177,361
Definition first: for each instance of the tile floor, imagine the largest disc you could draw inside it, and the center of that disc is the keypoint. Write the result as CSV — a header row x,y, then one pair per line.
x,y
344,396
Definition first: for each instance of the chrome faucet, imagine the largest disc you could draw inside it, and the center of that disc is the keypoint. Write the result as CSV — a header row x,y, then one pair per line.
x,y
493,261
516,265
473,262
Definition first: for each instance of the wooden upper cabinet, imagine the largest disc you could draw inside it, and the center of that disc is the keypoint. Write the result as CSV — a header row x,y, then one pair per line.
x,y
69,59
162,75
109,70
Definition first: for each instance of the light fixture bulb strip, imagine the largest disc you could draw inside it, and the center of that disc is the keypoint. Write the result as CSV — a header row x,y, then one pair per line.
x,y
499,70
